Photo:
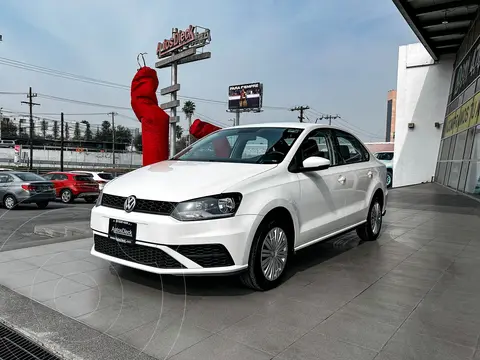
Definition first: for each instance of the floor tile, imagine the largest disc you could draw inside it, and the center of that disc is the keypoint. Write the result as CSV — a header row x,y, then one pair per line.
x,y
314,346
412,346
356,329
270,335
52,289
219,348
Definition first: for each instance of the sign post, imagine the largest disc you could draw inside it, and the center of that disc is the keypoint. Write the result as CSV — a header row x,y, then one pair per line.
x,y
180,49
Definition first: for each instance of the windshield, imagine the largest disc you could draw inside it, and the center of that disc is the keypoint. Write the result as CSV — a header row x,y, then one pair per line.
x,y
106,176
256,145
29,177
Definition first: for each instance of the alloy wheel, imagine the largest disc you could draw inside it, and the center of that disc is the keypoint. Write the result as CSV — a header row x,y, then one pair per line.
x,y
274,254
376,218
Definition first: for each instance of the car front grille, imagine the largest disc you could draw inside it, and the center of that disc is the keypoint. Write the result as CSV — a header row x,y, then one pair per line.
x,y
142,206
139,254
208,255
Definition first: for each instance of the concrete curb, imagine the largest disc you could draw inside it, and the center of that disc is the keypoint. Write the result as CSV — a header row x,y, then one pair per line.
x,y
73,229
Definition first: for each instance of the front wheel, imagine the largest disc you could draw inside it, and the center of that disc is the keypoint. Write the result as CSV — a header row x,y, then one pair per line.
x,y
370,230
42,204
268,257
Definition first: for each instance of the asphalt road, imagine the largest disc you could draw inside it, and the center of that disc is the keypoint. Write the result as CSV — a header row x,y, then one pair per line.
x,y
16,226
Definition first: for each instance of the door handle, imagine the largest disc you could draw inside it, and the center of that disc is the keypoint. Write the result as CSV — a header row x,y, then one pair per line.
x,y
342,179
370,173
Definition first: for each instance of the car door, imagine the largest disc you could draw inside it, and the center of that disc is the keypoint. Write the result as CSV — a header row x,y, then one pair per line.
x,y
357,174
321,200
56,181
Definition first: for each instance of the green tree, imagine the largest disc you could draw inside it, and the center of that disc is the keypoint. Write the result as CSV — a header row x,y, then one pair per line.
x,y
137,142
178,132
88,136
77,133
189,109
66,132
123,135
106,131
55,130
9,129
44,128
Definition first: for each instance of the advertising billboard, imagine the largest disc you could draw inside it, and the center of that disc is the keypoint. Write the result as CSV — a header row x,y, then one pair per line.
x,y
245,96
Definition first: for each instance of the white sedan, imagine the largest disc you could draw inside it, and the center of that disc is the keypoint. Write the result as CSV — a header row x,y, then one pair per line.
x,y
242,200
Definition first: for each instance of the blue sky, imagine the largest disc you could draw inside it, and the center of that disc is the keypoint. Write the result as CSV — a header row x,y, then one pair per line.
x,y
337,56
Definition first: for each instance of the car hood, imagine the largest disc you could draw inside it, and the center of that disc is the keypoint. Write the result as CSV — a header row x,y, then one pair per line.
x,y
182,180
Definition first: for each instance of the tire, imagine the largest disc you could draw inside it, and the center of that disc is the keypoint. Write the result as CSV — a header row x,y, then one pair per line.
x,y
9,202
255,276
66,196
389,178
370,230
42,204
90,199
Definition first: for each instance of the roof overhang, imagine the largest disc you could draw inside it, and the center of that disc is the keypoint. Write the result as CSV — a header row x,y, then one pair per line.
x,y
440,25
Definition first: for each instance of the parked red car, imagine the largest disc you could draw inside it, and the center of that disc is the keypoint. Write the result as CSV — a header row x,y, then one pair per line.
x,y
70,185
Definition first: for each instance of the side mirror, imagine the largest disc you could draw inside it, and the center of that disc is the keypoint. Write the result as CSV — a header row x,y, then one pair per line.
x,y
315,163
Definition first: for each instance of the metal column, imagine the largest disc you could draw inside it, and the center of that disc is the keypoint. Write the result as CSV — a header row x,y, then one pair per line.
x,y
173,110
237,118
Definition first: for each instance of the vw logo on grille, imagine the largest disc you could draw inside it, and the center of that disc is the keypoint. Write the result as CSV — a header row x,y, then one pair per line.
x,y
130,203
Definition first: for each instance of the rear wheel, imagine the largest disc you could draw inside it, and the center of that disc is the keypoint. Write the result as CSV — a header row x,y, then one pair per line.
x,y
42,204
66,196
389,178
370,230
90,199
9,202
268,257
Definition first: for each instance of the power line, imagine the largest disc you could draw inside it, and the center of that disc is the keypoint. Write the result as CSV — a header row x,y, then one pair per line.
x,y
300,109
327,117
75,77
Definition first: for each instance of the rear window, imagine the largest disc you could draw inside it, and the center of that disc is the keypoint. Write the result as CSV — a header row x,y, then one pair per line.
x,y
106,176
83,178
29,177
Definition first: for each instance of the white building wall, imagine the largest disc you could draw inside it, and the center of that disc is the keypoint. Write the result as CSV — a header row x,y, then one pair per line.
x,y
422,94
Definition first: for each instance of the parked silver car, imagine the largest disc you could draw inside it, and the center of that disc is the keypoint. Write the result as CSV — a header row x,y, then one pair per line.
x,y
26,188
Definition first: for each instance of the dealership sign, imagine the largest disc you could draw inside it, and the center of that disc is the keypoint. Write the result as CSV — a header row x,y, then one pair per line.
x,y
467,71
184,39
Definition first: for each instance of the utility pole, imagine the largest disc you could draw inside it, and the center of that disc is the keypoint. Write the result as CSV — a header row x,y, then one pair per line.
x,y
61,141
31,104
1,115
113,136
327,117
301,109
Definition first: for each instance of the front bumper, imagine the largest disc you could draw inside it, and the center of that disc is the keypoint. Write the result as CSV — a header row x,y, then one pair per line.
x,y
168,246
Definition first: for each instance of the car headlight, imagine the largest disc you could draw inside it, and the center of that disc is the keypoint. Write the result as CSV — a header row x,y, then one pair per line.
x,y
210,207
99,199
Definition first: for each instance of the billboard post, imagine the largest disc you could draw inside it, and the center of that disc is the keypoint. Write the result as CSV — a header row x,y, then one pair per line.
x,y
245,98
180,49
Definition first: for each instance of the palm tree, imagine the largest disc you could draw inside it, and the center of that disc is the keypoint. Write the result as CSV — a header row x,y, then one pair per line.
x,y
189,109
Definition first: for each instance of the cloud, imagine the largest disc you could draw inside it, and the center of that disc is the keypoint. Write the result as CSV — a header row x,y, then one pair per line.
x,y
335,56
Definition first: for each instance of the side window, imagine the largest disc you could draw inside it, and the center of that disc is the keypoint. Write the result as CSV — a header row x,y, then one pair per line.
x,y
3,179
253,148
47,177
317,143
62,177
349,149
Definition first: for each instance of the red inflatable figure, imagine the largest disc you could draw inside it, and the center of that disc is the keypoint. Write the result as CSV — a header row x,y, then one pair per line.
x,y
200,129
154,120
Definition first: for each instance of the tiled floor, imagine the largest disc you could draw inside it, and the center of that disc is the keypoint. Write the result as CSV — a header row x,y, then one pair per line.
x,y
413,294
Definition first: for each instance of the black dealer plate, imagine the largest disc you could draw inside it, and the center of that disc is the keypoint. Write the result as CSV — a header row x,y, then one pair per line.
x,y
122,231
